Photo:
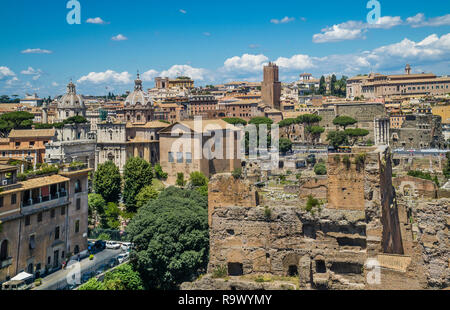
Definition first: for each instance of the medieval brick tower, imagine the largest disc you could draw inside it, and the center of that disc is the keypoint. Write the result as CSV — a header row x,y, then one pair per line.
x,y
271,86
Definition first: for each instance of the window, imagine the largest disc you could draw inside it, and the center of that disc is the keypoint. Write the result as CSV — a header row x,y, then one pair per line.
x,y
13,199
188,158
179,157
17,144
78,188
39,217
171,160
77,226
32,243
63,210
78,204
31,143
1,202
57,233
4,250
52,213
49,260
27,220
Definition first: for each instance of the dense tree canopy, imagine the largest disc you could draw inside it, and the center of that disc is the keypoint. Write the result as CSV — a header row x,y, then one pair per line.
x,y
170,235
344,121
260,120
145,195
15,120
123,278
337,138
235,121
138,173
107,181
285,145
355,134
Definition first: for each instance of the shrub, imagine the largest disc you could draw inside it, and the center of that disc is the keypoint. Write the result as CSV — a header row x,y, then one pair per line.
x,y
346,161
219,272
237,173
180,179
91,257
159,173
320,169
267,213
311,203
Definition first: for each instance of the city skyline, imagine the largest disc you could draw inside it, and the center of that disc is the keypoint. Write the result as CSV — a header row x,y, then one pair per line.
x,y
213,43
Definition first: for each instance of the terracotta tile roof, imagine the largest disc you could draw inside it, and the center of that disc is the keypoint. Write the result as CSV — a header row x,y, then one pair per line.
x,y
43,181
32,133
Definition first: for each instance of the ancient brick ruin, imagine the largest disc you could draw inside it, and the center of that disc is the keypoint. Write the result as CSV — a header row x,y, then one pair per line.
x,y
332,246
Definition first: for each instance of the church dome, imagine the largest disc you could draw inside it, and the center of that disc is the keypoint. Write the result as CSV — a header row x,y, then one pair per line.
x,y
137,97
71,100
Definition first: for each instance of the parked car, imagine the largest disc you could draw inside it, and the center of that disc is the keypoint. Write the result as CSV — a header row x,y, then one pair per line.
x,y
112,245
123,257
99,245
126,246
112,262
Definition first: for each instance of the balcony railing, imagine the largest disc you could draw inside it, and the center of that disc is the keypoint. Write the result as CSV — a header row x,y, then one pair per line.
x,y
42,199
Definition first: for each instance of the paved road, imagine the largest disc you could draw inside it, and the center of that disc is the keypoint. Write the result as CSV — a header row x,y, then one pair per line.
x,y
53,280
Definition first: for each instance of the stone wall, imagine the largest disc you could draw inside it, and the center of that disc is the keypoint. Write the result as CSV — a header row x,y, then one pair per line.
x,y
326,247
411,186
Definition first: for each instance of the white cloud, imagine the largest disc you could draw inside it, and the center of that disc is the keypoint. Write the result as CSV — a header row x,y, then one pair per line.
x,y
337,33
109,76
419,20
31,71
182,11
284,20
352,30
36,51
5,72
246,62
185,70
12,81
96,20
54,84
296,62
119,37
149,75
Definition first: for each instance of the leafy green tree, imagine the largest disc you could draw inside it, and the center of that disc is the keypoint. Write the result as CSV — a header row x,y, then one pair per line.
x,y
180,179
92,285
260,120
96,205
235,121
314,132
123,278
198,179
344,121
355,134
15,120
320,169
107,181
285,145
322,86
145,195
138,173
308,119
337,138
170,236
159,173
333,82
447,167
110,219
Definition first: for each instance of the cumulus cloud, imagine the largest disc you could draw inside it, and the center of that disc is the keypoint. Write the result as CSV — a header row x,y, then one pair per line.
x,y
96,20
296,62
419,20
284,20
185,70
119,37
352,30
31,71
246,63
36,51
12,81
6,72
149,75
109,76
182,11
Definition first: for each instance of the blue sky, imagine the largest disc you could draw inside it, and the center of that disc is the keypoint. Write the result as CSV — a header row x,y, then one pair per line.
x,y
212,41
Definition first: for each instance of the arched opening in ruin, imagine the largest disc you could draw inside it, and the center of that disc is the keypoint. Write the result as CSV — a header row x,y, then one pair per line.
x,y
292,271
320,266
235,269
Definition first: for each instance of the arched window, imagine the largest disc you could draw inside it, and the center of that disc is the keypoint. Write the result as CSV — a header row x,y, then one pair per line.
x,y
4,250
138,118
78,188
